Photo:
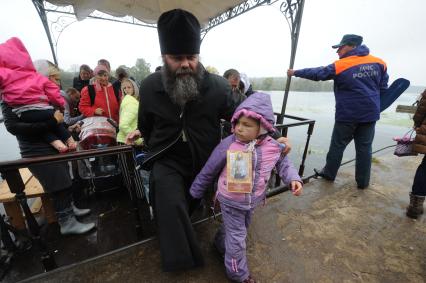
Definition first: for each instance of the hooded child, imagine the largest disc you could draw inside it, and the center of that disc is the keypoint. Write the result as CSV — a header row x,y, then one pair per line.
x,y
244,161
32,96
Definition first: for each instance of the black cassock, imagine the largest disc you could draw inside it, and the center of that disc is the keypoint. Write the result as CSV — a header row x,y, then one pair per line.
x,y
171,178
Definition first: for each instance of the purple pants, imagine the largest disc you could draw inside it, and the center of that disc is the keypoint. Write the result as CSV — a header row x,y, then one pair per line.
x,y
231,239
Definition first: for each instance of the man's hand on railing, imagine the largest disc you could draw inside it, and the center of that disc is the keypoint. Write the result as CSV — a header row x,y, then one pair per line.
x,y
132,137
284,141
75,128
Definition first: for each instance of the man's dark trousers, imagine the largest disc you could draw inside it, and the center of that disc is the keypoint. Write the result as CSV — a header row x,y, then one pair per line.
x,y
419,184
343,133
169,185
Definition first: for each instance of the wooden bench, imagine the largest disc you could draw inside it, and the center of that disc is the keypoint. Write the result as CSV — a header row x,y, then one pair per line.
x,y
33,189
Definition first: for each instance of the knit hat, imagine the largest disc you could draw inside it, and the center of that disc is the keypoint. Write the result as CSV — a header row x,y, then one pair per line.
x,y
179,33
46,68
100,68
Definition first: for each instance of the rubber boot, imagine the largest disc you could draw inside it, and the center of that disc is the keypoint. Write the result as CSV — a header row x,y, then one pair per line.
x,y
79,211
415,209
320,173
69,224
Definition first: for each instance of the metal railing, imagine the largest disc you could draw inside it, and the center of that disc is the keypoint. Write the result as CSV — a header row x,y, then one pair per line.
x,y
10,173
300,122
278,188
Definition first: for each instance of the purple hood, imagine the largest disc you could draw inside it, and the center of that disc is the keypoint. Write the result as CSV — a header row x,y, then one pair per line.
x,y
257,106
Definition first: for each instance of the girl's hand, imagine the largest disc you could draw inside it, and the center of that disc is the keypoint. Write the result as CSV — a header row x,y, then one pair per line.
x,y
132,137
284,141
296,188
76,128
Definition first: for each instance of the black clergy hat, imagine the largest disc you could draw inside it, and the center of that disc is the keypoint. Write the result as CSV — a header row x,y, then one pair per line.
x,y
179,33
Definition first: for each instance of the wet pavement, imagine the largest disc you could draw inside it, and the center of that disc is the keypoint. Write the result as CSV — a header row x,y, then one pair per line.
x,y
332,233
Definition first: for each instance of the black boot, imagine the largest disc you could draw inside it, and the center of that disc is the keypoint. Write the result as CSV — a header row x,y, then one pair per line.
x,y
320,173
415,209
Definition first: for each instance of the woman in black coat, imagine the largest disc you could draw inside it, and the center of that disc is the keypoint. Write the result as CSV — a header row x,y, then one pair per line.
x,y
55,177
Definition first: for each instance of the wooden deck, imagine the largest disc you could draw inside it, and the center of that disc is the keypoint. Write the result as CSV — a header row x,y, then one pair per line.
x,y
333,233
33,189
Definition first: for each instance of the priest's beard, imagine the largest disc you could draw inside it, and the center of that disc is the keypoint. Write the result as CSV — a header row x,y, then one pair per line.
x,y
182,85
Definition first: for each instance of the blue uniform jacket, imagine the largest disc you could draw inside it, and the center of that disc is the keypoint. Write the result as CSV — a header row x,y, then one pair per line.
x,y
359,78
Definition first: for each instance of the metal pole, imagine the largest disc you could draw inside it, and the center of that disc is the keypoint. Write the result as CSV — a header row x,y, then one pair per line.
x,y
305,151
38,4
288,9
129,164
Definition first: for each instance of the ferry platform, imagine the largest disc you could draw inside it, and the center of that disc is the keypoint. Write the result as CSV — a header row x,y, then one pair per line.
x,y
332,233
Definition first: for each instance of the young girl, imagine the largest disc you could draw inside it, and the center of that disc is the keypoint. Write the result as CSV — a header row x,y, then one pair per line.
x,y
129,107
31,95
239,195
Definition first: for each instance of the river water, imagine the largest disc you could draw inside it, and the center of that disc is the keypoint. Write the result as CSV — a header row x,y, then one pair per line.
x,y
318,106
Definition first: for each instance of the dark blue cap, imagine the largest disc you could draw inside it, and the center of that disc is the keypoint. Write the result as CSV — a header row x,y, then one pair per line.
x,y
349,39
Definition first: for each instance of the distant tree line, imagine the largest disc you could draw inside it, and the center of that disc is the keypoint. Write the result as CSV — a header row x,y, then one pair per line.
x,y
297,84
142,69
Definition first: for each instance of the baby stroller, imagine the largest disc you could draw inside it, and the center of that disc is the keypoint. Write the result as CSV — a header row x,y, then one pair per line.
x,y
103,171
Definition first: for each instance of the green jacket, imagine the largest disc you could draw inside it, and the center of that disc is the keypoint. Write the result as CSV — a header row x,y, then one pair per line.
x,y
128,118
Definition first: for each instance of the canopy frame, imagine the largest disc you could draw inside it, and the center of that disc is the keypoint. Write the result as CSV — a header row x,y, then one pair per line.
x,y
56,19
291,9
293,12
65,16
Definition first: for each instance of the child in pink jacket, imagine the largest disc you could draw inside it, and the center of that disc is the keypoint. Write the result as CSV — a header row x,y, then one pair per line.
x,y
31,95
244,161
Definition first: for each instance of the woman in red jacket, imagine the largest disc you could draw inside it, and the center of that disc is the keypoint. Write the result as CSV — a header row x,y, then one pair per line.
x,y
104,102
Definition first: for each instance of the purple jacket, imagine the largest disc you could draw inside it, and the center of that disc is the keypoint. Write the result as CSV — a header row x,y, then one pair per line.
x,y
266,155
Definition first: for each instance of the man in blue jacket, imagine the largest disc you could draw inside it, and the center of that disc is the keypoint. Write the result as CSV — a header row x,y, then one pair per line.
x,y
359,78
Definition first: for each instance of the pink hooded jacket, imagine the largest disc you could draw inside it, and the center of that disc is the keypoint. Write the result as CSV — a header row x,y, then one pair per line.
x,y
20,84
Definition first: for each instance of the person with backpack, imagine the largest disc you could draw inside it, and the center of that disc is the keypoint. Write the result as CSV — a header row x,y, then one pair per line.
x,y
100,99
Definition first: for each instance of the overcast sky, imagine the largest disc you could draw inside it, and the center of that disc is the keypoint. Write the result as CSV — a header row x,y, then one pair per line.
x,y
257,43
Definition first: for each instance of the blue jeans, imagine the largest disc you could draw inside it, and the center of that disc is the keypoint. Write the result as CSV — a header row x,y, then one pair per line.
x,y
343,133
419,184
